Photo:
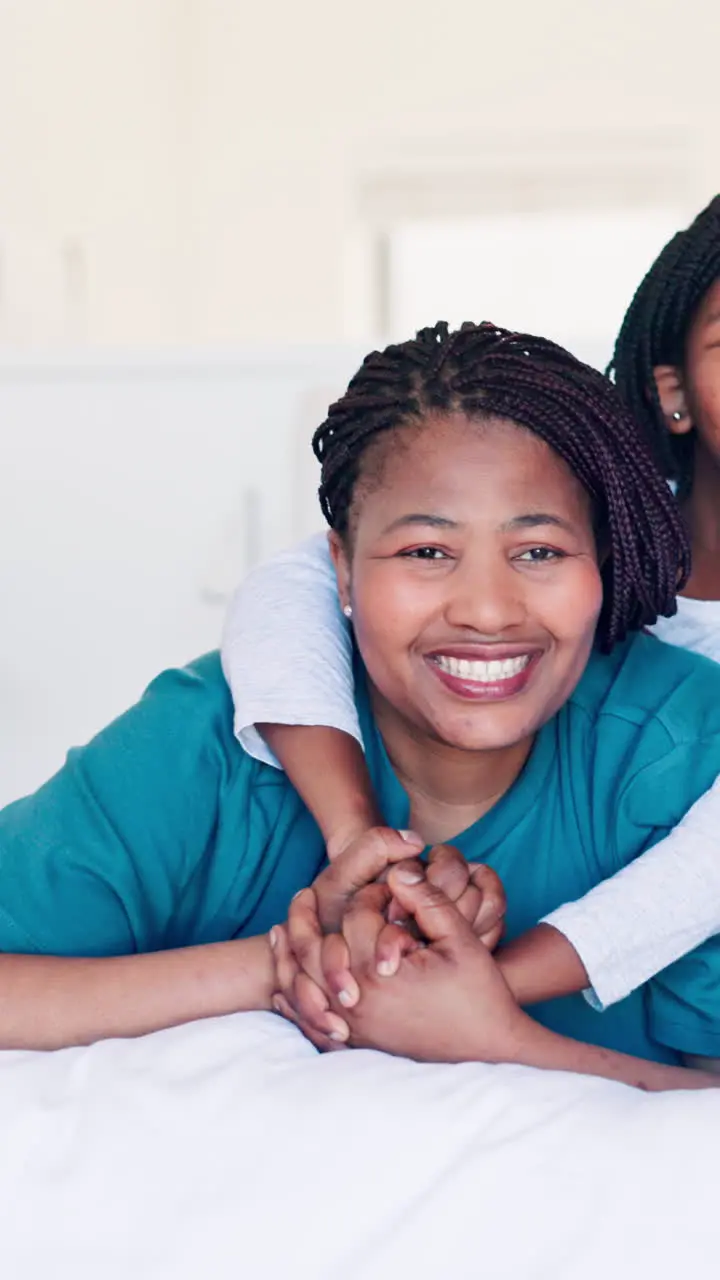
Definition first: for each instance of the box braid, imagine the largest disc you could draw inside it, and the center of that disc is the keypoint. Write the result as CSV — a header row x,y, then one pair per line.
x,y
484,372
655,332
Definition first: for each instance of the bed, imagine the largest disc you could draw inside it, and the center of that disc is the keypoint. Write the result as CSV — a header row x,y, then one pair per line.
x,y
230,1148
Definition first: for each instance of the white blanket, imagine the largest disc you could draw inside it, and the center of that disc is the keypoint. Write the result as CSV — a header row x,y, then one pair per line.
x,y
230,1149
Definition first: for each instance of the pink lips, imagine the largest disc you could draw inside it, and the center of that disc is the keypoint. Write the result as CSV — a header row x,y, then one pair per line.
x,y
486,691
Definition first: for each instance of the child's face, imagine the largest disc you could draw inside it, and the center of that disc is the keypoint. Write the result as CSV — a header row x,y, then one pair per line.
x,y
474,581
702,372
690,397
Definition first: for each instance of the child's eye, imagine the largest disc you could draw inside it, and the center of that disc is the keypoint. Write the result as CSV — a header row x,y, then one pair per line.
x,y
424,553
540,555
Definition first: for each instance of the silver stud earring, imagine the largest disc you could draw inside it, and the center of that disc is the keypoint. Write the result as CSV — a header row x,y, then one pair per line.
x,y
348,611
677,416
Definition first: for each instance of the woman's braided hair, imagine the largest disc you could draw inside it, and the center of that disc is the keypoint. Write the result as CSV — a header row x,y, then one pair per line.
x,y
484,372
655,331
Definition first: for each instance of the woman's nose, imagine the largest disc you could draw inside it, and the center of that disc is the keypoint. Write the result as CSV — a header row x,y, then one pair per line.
x,y
487,598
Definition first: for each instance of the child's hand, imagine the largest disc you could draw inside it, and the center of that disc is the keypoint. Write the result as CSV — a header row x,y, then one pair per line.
x,y
302,995
299,969
315,969
475,888
364,860
304,956
448,1001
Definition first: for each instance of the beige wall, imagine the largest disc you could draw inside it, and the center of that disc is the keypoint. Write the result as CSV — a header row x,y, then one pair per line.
x,y
193,170
93,103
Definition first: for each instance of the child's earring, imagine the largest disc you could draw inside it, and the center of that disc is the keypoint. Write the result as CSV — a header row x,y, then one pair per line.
x,y
348,611
679,422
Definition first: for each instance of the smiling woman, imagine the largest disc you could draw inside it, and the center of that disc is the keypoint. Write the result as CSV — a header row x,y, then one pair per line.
x,y
138,886
494,513
475,481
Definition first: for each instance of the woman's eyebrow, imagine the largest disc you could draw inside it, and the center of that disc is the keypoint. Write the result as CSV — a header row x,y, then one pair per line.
x,y
419,517
534,518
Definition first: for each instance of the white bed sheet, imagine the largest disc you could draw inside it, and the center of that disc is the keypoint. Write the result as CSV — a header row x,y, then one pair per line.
x,y
229,1148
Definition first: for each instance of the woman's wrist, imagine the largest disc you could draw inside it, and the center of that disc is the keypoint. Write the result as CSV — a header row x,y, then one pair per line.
x,y
251,974
223,978
537,1046
56,1001
515,1039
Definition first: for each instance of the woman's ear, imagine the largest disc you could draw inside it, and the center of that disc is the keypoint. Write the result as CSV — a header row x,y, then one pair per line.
x,y
671,394
341,562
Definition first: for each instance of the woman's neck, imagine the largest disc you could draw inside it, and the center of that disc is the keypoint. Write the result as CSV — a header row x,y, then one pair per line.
x,y
448,788
701,510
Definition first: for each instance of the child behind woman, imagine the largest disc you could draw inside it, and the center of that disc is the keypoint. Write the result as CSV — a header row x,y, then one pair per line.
x,y
666,366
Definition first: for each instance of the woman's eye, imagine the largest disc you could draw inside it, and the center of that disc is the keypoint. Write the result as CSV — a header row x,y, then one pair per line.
x,y
540,555
424,553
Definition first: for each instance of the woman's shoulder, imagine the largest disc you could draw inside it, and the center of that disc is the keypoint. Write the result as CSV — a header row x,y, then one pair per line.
x,y
646,682
645,720
193,705
193,695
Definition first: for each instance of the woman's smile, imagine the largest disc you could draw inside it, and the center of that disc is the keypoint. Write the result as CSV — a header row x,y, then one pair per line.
x,y
490,675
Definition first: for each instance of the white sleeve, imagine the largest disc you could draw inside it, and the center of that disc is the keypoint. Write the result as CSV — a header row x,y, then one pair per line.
x,y
286,651
652,912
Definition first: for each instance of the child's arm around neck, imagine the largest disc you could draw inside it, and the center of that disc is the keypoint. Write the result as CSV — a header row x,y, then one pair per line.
x,y
327,768
287,656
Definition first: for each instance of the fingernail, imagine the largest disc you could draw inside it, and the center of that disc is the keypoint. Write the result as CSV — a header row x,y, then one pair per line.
x,y
348,997
406,876
387,968
272,936
338,1036
412,837
276,1005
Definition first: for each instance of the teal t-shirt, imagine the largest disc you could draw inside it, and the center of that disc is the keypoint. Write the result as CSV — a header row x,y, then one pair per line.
x,y
163,832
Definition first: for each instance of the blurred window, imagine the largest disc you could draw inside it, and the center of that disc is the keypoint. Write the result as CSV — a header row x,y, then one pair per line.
x,y
568,276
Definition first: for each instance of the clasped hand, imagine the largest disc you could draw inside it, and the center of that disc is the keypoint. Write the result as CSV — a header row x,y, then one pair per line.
x,y
386,952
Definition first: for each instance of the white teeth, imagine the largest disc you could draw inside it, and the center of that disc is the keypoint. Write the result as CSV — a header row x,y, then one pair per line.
x,y
483,672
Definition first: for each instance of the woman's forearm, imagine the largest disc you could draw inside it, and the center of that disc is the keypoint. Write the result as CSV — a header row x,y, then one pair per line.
x,y
542,1048
49,1002
543,965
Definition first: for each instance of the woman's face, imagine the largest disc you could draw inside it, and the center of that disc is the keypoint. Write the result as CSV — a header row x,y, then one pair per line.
x,y
473,579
